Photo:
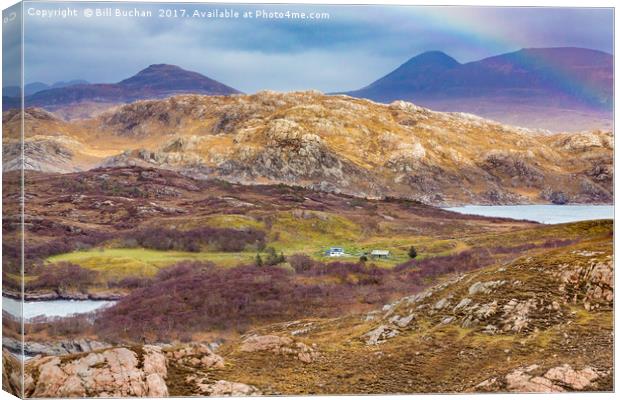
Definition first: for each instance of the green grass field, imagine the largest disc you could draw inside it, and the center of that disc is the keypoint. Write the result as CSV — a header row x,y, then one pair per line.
x,y
120,263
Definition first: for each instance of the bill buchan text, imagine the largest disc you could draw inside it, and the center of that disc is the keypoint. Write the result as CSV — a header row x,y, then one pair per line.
x,y
179,13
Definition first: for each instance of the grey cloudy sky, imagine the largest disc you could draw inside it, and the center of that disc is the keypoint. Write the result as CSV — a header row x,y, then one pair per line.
x,y
355,46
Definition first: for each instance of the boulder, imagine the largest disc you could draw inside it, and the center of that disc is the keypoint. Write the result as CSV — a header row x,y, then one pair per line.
x,y
226,388
114,372
577,380
280,345
520,380
196,355
485,287
463,303
516,314
402,322
380,335
556,379
441,304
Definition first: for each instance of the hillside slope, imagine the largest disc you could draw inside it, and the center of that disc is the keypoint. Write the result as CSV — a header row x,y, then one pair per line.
x,y
329,143
538,324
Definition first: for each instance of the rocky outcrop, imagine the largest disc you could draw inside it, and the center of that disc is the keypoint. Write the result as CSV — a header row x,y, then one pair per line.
x,y
484,287
502,305
520,380
280,345
11,374
195,355
54,348
534,379
114,372
41,153
518,167
584,141
225,388
556,197
591,284
380,334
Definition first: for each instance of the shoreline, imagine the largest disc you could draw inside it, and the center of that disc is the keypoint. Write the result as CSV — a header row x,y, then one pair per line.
x,y
52,295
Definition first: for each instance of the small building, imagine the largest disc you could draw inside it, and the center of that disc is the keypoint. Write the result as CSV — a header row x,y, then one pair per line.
x,y
380,254
335,252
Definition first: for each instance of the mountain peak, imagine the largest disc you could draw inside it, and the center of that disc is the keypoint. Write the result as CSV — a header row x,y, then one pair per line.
x,y
415,74
168,77
432,58
161,67
154,73
422,67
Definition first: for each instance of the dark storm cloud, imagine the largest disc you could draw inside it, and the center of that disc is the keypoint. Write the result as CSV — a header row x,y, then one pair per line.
x,y
354,47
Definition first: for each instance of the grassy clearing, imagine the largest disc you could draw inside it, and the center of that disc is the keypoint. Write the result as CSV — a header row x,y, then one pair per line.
x,y
120,263
293,234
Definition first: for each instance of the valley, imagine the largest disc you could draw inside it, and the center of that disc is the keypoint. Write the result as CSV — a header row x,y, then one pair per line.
x,y
102,219
100,235
224,243
545,313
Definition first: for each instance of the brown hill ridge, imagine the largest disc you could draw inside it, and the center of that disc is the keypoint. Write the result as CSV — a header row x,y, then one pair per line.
x,y
329,143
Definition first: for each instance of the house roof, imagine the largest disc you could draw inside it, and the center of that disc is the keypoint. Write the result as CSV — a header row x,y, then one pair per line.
x,y
380,252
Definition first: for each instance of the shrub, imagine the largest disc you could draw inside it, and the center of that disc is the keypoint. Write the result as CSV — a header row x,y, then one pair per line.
x,y
64,243
460,262
191,297
273,258
132,282
63,276
413,253
223,239
301,263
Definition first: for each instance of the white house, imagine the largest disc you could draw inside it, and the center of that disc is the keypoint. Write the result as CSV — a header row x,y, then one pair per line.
x,y
380,253
335,252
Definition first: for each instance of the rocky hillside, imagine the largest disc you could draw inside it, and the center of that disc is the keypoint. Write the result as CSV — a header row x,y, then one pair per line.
x,y
540,323
329,143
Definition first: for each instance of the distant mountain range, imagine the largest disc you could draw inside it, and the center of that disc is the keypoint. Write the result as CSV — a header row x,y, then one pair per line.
x,y
560,89
548,87
156,81
35,87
